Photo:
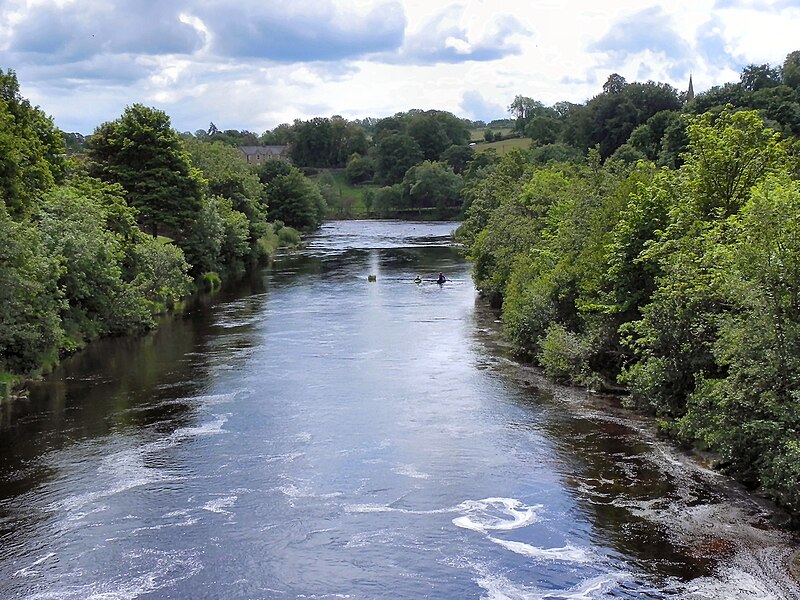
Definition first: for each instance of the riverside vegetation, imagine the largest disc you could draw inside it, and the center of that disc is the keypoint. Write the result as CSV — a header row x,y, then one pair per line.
x,y
647,240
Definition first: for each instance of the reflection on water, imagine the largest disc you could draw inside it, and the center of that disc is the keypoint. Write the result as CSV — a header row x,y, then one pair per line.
x,y
314,434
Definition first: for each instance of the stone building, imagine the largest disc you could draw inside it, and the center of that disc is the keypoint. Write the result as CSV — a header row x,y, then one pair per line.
x,y
256,155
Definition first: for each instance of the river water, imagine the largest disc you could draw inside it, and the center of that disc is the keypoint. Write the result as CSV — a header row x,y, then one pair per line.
x,y
317,435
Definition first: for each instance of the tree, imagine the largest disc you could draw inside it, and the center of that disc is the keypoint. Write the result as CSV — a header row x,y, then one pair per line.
x,y
432,185
293,198
727,156
228,176
30,300
142,153
360,168
396,153
31,149
458,157
790,73
756,77
614,84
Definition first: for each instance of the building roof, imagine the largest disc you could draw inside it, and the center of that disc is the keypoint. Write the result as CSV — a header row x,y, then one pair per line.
x,y
263,149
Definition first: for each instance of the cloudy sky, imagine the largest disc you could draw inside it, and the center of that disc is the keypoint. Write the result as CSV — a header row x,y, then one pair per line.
x,y
253,64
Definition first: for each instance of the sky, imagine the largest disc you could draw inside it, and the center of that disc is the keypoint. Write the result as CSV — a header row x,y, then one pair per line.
x,y
254,64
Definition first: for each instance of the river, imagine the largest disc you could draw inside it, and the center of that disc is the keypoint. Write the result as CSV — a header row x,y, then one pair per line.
x,y
314,434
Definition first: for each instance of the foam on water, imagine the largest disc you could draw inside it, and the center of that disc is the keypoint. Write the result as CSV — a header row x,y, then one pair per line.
x,y
154,570
760,574
30,570
214,427
495,514
410,471
219,504
129,468
501,588
568,553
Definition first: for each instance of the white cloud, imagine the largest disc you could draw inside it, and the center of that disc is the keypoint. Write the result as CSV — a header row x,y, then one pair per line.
x,y
360,58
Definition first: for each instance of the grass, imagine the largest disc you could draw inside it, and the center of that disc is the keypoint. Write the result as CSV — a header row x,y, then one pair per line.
x,y
476,135
346,200
504,146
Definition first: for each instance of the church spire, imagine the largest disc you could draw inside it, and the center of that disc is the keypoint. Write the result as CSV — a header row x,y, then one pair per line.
x,y
690,91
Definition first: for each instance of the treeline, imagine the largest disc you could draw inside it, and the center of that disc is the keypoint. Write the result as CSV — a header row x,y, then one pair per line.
x,y
675,276
409,162
100,242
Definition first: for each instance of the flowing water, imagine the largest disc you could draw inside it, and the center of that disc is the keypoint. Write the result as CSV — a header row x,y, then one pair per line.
x,y
318,435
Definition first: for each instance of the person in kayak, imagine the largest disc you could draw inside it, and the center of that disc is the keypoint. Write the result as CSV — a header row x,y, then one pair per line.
x,y
417,279
441,279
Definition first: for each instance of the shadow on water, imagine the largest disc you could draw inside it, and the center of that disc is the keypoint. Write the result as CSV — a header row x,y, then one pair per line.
x,y
121,384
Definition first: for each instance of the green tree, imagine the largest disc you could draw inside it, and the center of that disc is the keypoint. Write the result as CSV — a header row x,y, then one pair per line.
x,y
749,412
756,77
360,168
142,153
31,149
30,299
458,157
727,156
228,176
432,185
790,73
293,198
396,153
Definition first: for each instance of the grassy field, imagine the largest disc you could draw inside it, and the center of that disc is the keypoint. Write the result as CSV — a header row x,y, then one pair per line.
x,y
347,200
504,146
476,135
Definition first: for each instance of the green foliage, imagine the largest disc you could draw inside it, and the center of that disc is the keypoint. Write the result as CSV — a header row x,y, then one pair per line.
x,y
211,281
326,143
790,73
458,157
563,354
292,197
142,153
389,199
161,275
727,155
396,153
749,412
432,184
98,300
228,176
360,168
31,149
30,299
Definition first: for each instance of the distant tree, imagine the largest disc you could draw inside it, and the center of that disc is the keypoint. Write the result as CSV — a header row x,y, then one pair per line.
x,y
396,153
756,77
360,168
228,176
458,157
282,135
142,153
790,73
429,134
74,142
715,98
543,130
555,153
432,184
614,84
292,197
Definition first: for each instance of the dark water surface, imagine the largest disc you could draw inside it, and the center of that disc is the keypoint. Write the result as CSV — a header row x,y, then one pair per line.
x,y
315,435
